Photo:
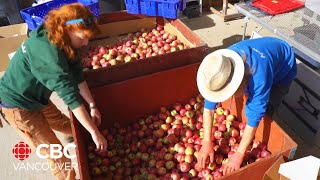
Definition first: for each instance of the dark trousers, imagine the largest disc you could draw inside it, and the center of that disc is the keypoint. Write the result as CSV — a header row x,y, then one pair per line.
x,y
278,92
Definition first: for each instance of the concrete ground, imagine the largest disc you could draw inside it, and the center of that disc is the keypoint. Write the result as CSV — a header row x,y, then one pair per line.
x,y
214,31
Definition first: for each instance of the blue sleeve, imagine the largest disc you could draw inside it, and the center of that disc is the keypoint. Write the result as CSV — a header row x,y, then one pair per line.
x,y
209,105
259,87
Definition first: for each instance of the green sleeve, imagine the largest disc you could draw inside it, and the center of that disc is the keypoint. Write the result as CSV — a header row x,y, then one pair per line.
x,y
52,69
77,71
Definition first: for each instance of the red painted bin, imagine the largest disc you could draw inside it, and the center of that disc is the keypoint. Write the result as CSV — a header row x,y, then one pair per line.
x,y
129,100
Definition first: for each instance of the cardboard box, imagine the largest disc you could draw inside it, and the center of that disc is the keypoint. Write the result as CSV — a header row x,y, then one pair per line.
x,y
8,46
303,168
11,38
13,30
272,173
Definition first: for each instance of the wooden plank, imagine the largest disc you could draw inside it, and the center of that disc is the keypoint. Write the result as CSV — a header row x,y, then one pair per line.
x,y
125,27
172,30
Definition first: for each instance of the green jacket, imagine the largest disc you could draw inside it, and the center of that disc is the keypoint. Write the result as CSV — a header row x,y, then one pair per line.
x,y
36,70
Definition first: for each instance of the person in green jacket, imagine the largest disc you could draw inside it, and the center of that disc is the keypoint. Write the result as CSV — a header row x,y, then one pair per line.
x,y
48,61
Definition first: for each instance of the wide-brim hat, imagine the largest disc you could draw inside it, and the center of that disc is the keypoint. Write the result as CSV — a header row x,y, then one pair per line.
x,y
220,75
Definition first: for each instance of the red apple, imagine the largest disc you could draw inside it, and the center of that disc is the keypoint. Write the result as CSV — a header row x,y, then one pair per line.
x,y
170,165
184,167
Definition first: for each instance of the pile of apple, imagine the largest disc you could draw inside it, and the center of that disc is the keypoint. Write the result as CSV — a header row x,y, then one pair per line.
x,y
135,46
166,145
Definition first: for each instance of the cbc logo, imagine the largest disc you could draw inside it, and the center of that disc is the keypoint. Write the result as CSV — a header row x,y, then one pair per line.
x,y
55,151
22,151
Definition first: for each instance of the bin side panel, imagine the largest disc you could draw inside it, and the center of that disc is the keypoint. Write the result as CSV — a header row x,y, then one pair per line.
x,y
127,101
146,66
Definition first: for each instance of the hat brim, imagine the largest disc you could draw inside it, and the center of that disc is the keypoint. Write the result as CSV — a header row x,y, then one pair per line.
x,y
227,91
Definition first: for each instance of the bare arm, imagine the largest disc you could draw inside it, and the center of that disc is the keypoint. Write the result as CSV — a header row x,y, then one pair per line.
x,y
207,123
84,118
86,94
207,146
247,138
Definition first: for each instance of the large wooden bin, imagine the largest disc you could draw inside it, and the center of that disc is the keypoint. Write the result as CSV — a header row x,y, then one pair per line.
x,y
113,25
129,100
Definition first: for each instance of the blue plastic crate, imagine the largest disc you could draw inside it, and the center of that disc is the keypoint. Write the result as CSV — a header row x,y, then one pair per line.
x,y
34,16
164,8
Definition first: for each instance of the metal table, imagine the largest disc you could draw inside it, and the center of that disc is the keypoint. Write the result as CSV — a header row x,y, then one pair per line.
x,y
300,28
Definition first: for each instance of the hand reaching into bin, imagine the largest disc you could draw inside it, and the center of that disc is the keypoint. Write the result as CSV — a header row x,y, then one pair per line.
x,y
234,163
205,152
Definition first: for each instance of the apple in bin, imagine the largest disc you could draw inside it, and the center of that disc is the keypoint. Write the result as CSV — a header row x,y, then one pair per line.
x,y
161,171
112,52
189,151
168,157
218,158
219,111
184,167
255,153
180,157
265,153
95,171
262,146
170,165
193,173
231,118
160,163
175,176
220,118
222,127
234,132
188,158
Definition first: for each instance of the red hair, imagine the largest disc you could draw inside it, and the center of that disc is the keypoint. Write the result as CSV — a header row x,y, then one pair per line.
x,y
57,29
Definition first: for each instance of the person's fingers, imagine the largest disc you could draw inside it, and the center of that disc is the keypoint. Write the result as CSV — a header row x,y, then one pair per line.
x,y
102,147
105,146
200,161
224,169
211,157
98,146
204,161
229,170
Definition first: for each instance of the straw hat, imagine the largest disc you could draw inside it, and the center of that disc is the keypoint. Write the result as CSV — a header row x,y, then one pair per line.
x,y
220,75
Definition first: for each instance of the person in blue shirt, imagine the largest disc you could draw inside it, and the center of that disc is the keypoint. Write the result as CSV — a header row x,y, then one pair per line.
x,y
263,69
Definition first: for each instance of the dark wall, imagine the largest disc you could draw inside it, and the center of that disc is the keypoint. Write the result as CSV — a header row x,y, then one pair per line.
x,y
107,6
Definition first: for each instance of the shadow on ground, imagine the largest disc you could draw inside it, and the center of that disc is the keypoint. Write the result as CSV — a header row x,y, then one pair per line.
x,y
227,42
199,22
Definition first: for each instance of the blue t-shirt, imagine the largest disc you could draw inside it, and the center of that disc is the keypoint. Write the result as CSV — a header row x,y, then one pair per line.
x,y
271,61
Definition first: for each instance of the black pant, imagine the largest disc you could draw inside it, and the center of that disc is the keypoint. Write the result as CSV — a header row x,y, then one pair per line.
x,y
278,91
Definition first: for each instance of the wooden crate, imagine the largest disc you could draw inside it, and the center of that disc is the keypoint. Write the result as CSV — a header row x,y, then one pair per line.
x,y
116,24
127,101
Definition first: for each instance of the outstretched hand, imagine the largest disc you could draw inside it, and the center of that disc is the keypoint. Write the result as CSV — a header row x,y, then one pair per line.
x,y
233,164
205,152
